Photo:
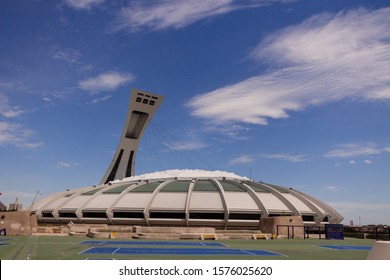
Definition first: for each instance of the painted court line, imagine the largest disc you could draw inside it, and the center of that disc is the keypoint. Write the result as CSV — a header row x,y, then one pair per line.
x,y
115,251
248,253
83,252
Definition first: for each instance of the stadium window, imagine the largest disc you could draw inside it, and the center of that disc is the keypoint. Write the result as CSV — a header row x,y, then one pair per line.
x,y
67,215
207,216
244,216
151,102
138,99
47,215
145,101
129,215
308,218
94,215
167,215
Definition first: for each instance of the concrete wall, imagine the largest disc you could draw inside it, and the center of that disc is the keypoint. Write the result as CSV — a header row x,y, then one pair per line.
x,y
18,222
173,230
269,225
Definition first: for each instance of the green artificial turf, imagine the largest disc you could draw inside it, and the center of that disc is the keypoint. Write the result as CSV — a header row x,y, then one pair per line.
x,y
69,248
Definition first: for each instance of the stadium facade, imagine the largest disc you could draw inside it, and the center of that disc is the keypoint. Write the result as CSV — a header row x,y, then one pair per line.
x,y
176,197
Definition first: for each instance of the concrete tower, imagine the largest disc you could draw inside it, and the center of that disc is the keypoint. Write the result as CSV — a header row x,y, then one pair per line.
x,y
142,107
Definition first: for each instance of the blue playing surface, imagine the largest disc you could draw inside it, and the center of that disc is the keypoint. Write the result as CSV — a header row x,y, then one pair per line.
x,y
4,241
151,243
346,247
176,251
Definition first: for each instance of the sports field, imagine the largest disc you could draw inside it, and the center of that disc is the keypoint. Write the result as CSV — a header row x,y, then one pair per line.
x,y
81,248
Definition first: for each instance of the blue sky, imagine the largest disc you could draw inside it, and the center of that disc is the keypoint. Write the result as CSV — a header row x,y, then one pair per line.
x,y
295,93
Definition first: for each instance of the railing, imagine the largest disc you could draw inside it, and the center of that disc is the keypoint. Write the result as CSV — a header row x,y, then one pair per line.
x,y
306,231
378,233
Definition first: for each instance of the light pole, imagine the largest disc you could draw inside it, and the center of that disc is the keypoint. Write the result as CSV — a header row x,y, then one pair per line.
x,y
32,203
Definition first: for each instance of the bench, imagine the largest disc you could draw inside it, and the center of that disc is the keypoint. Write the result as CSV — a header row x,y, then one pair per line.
x,y
260,236
208,237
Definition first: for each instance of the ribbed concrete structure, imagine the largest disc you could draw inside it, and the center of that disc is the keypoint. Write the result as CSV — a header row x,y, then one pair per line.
x,y
183,198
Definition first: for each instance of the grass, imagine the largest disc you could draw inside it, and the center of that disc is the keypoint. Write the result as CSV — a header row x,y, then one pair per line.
x,y
69,248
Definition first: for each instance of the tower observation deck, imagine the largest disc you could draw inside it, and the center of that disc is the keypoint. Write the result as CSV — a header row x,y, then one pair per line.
x,y
142,107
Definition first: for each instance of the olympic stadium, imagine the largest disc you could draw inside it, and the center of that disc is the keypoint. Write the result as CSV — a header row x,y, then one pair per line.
x,y
183,198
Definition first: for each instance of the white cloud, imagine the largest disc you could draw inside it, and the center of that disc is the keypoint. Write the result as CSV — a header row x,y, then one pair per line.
x,y
97,100
288,157
83,4
186,146
8,111
163,14
356,150
327,58
63,164
69,55
352,162
241,160
332,188
367,161
106,81
15,134
229,132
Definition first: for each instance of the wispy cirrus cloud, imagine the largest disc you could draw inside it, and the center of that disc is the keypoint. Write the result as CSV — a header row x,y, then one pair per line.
x,y
83,4
65,164
187,145
99,99
241,160
13,133
8,111
17,135
107,81
356,150
288,157
230,132
71,56
162,14
327,58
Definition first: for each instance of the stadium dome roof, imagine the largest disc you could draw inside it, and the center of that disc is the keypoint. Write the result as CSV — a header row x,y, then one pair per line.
x,y
183,198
